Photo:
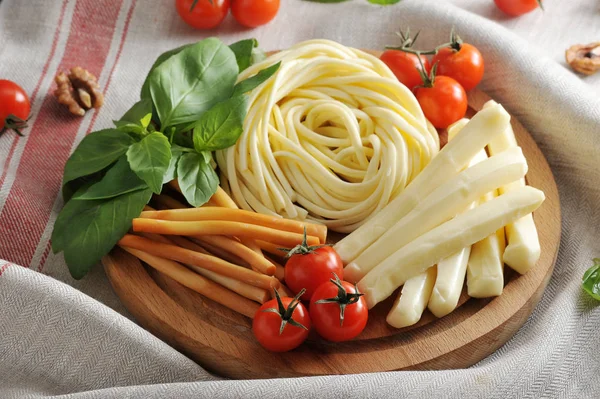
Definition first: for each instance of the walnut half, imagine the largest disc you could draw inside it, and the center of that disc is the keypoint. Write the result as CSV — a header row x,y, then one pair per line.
x,y
78,90
584,59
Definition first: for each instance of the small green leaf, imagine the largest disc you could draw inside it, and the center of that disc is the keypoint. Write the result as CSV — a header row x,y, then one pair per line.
x,y
176,152
221,126
118,180
591,280
253,82
75,186
145,121
145,94
384,2
95,152
258,55
197,179
138,111
87,230
150,158
128,127
243,51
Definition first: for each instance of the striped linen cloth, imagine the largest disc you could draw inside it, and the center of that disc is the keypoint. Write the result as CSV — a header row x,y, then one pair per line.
x,y
61,336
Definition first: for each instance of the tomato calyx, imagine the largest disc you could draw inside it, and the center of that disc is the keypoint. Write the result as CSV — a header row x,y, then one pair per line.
x,y
343,298
196,2
13,122
540,4
286,314
428,80
455,41
303,248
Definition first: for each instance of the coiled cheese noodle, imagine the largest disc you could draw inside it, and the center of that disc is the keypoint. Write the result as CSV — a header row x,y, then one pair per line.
x,y
332,136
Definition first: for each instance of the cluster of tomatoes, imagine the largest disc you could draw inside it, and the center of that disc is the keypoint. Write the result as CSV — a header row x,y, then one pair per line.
x,y
208,14
336,310
440,85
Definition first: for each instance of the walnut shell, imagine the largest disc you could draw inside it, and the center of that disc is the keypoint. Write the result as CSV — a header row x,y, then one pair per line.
x,y
584,59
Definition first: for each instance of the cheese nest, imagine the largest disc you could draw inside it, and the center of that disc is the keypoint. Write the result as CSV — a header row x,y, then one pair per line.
x,y
332,136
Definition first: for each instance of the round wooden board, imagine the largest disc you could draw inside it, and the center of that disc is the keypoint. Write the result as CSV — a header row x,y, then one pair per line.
x,y
221,340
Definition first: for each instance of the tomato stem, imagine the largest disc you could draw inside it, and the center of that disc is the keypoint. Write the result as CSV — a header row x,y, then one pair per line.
x,y
343,298
302,248
541,5
286,314
13,122
455,40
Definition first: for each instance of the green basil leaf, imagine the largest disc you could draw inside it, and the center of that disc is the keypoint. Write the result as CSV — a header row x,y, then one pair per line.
x,y
138,111
150,158
591,280
77,186
119,180
176,152
145,94
95,152
243,51
189,83
254,81
384,2
128,127
258,55
197,179
87,230
221,126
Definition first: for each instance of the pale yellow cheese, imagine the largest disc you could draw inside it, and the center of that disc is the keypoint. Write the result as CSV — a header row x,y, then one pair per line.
x,y
485,270
484,126
450,198
446,239
449,283
523,245
412,301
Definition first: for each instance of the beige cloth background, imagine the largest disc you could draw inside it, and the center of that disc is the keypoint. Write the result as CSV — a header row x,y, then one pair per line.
x,y
58,340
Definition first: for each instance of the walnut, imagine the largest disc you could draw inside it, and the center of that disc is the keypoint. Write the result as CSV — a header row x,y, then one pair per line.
x,y
78,90
584,59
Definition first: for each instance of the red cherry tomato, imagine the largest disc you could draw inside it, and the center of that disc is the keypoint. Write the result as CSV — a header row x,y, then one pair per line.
x,y
309,267
281,324
444,103
517,7
326,310
253,13
14,106
204,15
405,66
464,65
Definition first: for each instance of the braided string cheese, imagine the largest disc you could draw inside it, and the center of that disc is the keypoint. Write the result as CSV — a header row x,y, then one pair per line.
x,y
332,137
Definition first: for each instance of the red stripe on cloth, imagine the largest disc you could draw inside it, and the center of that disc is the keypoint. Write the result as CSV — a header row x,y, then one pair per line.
x,y
37,87
29,205
4,267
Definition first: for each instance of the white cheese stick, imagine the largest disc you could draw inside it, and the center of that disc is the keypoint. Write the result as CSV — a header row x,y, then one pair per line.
x,y
449,199
485,270
446,239
484,126
449,283
523,245
412,301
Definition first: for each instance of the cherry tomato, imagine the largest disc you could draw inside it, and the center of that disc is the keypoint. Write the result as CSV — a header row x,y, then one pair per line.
x,y
309,267
464,65
338,311
405,66
444,102
281,324
14,106
253,13
517,7
204,15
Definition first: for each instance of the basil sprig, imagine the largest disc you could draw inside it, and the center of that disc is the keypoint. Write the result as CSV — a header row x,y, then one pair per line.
x,y
591,280
190,106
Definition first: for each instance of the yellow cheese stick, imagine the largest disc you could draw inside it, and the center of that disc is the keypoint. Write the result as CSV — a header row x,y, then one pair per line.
x,y
485,270
523,249
450,198
449,283
446,239
412,301
484,126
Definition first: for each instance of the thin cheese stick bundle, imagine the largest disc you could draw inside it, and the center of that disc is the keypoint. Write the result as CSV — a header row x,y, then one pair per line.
x,y
237,215
412,301
219,252
226,228
271,248
454,157
189,257
523,249
446,239
442,204
485,270
201,285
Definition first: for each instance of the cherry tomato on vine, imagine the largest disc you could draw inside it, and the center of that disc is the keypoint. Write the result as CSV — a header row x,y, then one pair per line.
x,y
204,15
309,267
14,106
443,100
518,7
405,66
338,311
462,62
281,324
253,13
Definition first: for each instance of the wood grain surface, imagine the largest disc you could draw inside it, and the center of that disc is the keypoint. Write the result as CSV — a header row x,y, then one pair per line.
x,y
221,340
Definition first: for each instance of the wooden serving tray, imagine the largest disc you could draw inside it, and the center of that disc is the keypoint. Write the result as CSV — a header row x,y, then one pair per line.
x,y
222,341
